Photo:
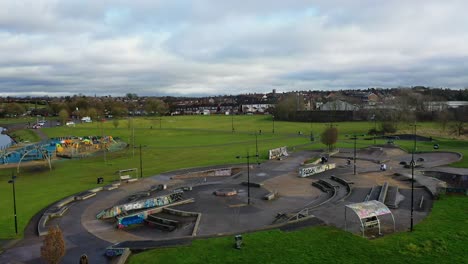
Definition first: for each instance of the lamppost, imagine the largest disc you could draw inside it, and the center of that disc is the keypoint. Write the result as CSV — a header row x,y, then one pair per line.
x,y
232,121
273,118
12,181
354,157
248,174
375,126
256,147
141,164
412,163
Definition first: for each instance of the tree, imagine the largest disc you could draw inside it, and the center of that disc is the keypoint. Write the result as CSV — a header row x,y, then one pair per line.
x,y
288,106
458,128
63,116
53,248
116,122
14,109
92,112
329,137
443,117
155,106
388,127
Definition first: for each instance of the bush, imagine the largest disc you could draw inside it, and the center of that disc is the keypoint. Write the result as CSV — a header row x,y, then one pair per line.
x,y
388,127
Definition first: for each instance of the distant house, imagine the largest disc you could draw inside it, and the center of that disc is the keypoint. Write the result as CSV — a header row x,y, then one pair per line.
x,y
256,108
338,105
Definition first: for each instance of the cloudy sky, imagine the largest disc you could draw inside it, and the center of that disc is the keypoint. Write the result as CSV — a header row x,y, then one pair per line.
x,y
203,47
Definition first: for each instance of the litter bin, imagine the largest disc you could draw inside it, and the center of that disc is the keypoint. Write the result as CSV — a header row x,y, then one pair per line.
x,y
238,239
100,180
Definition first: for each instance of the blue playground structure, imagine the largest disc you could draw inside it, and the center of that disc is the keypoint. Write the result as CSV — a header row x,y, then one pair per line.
x,y
38,151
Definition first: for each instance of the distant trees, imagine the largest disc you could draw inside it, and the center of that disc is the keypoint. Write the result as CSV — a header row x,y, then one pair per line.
x,y
53,249
13,109
329,137
287,107
155,106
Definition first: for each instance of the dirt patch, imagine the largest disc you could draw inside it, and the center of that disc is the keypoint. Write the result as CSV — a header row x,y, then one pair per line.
x,y
291,185
377,178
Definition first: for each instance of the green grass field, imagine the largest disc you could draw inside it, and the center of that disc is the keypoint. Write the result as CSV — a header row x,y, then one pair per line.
x,y
191,141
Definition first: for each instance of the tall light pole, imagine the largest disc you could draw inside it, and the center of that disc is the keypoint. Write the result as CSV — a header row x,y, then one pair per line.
x,y
256,147
12,181
375,126
273,118
354,158
232,120
412,175
141,164
248,174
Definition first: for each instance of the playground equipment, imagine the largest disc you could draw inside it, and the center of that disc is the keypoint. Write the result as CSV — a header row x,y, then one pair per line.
x,y
71,147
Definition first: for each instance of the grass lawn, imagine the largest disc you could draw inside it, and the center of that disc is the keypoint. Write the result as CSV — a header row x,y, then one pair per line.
x,y
25,135
440,238
183,141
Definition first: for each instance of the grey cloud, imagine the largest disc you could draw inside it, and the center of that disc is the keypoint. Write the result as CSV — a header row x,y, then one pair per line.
x,y
227,47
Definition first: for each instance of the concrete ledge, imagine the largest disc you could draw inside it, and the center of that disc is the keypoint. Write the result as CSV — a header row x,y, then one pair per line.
x,y
65,201
197,224
132,180
85,196
269,196
95,190
110,187
41,226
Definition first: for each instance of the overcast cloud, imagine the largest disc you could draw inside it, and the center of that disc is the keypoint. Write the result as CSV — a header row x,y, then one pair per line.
x,y
203,47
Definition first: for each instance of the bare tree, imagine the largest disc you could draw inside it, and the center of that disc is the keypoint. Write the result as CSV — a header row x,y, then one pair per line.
x,y
53,248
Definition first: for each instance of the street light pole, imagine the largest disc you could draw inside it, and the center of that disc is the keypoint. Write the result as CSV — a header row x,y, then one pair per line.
x,y
248,174
232,121
355,139
412,176
141,164
273,123
375,127
256,147
12,181
248,179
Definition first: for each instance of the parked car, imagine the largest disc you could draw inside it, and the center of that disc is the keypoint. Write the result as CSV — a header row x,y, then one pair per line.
x,y
70,123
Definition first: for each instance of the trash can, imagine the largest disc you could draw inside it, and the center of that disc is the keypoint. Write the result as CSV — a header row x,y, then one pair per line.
x,y
238,239
100,180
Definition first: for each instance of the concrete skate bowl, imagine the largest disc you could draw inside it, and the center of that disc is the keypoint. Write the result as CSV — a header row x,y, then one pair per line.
x,y
456,183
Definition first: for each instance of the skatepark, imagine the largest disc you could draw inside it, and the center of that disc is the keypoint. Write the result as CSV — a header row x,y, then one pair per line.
x,y
174,207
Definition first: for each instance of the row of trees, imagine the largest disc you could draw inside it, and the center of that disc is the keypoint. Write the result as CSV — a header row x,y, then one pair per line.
x,y
87,106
